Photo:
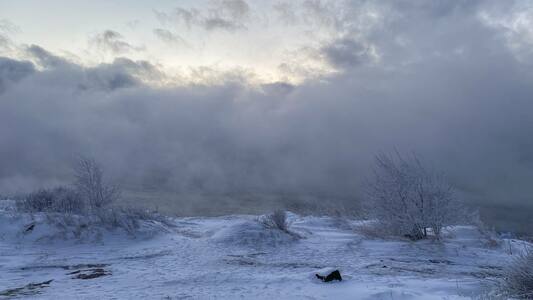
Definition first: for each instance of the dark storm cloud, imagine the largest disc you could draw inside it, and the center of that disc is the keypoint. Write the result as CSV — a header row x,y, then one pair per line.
x,y
441,82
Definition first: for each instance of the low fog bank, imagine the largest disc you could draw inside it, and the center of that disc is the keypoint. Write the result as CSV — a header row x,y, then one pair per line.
x,y
229,140
459,96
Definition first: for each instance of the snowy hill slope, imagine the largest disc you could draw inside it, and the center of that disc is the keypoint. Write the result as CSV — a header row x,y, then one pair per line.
x,y
235,257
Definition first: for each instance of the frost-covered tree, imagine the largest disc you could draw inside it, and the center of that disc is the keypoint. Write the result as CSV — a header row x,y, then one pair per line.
x,y
408,199
90,184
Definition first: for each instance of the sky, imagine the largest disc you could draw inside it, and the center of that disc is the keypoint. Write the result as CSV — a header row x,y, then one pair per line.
x,y
257,36
275,97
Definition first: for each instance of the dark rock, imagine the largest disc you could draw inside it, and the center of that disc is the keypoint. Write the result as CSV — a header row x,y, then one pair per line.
x,y
335,275
29,228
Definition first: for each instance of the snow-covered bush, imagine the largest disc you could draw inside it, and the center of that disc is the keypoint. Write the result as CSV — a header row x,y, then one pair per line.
x,y
41,200
90,192
91,227
64,210
372,230
409,200
276,220
117,218
490,237
128,219
519,276
90,184
86,207
60,199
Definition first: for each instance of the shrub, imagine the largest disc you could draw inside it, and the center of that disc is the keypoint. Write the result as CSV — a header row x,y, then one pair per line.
x,y
90,193
40,200
276,220
409,200
117,218
489,236
372,230
87,205
90,226
68,200
60,199
519,276
128,219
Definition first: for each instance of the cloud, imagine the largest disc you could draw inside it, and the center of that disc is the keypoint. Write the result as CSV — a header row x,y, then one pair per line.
x,y
6,29
216,22
346,53
227,15
323,13
180,16
11,71
169,37
515,21
133,24
45,58
7,26
440,80
121,73
113,42
285,12
5,42
236,9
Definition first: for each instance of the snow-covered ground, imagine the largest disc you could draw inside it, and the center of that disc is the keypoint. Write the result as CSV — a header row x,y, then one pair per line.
x,y
236,257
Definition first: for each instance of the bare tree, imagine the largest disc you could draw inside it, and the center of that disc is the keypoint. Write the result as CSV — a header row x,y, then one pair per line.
x,y
408,199
90,184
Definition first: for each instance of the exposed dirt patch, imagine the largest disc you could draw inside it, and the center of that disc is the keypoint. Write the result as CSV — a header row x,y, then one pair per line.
x,y
27,290
90,273
64,267
441,261
250,260
149,256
